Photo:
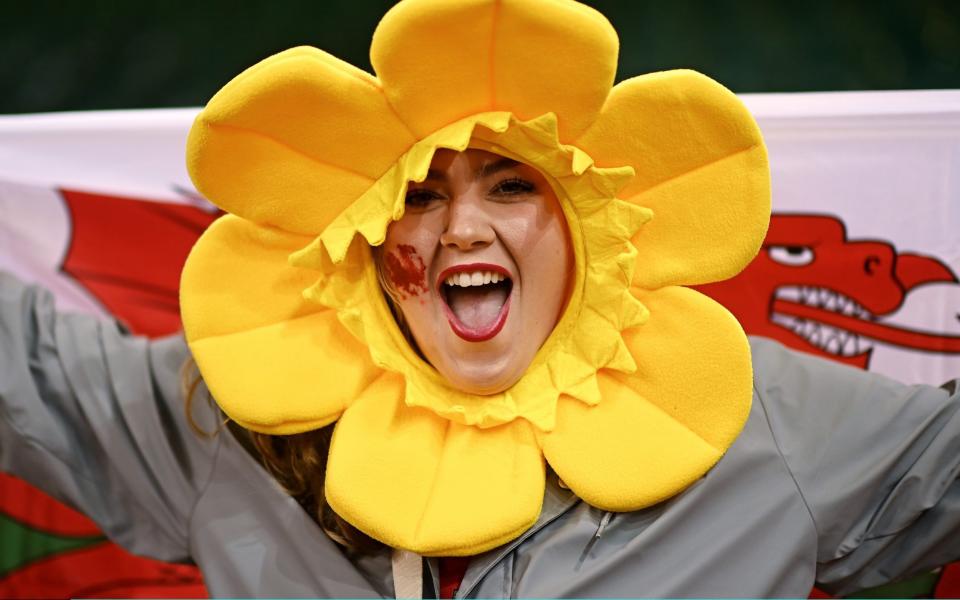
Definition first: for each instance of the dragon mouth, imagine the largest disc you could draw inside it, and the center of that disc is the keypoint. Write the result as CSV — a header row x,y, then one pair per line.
x,y
823,318
839,325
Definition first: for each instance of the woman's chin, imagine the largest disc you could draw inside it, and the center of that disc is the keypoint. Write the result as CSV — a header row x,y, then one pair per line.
x,y
484,387
484,367
483,378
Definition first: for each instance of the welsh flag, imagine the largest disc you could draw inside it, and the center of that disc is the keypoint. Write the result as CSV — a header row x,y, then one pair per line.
x,y
96,207
860,266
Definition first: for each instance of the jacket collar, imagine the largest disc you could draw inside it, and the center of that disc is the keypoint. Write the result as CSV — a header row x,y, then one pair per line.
x,y
556,501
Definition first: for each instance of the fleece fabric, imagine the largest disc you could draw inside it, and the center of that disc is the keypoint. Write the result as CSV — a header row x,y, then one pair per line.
x,y
663,181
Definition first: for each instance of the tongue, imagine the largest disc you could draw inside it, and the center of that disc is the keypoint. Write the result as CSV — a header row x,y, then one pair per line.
x,y
477,306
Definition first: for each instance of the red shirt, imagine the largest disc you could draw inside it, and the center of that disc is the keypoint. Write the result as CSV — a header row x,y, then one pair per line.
x,y
451,574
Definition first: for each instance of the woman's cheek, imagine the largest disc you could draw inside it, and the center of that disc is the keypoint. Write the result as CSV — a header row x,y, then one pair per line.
x,y
520,229
406,271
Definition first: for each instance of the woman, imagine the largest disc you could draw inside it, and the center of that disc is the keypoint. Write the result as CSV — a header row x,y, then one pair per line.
x,y
336,292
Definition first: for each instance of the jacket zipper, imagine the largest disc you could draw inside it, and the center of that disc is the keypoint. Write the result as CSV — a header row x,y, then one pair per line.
x,y
464,592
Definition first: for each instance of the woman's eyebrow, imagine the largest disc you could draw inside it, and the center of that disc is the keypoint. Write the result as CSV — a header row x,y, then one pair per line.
x,y
485,170
496,166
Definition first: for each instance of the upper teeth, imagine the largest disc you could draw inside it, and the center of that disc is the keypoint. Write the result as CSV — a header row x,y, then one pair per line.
x,y
464,279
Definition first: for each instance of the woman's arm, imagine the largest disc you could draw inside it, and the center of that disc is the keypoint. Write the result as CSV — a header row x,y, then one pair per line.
x,y
94,417
877,463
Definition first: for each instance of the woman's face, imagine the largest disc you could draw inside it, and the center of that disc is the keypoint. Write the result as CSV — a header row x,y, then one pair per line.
x,y
480,266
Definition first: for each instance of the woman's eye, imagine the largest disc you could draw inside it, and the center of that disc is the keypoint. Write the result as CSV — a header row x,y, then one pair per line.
x,y
421,197
514,186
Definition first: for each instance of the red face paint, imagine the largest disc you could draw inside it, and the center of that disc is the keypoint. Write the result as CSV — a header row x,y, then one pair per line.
x,y
406,271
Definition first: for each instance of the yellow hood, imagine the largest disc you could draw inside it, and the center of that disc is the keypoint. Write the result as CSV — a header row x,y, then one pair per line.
x,y
643,384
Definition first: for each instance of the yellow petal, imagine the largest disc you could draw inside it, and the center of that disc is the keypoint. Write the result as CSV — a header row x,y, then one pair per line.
x,y
623,454
693,361
701,166
274,362
658,430
291,141
440,61
416,481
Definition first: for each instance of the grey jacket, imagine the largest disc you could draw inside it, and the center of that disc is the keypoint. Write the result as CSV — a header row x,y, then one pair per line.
x,y
839,476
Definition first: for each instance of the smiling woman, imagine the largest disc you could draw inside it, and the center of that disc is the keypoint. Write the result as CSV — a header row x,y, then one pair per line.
x,y
479,266
452,305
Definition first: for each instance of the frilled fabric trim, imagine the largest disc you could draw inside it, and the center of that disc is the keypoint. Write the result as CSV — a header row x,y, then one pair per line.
x,y
588,336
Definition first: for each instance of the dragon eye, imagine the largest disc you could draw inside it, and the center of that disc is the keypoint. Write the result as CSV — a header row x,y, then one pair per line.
x,y
794,256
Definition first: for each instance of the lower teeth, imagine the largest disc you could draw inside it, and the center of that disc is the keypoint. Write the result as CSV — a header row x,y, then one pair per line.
x,y
835,341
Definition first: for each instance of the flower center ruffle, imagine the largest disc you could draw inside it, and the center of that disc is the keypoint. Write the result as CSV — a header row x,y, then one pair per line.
x,y
587,337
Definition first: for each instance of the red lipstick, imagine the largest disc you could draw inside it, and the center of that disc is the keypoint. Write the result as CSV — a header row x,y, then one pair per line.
x,y
465,332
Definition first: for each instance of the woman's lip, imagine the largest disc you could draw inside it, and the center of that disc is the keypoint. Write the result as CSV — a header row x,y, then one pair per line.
x,y
470,268
474,334
478,334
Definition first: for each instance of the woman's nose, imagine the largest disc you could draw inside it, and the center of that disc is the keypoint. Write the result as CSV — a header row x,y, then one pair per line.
x,y
468,225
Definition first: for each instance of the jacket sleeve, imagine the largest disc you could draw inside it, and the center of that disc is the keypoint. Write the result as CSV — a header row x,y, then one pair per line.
x,y
876,462
94,417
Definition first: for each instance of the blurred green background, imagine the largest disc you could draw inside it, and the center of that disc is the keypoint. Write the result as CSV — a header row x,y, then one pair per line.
x,y
72,55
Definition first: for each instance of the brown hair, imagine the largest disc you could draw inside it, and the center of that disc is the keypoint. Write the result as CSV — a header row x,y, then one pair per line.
x,y
298,462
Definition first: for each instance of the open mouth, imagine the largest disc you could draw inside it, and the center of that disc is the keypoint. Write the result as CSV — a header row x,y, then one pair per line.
x,y
476,299
824,318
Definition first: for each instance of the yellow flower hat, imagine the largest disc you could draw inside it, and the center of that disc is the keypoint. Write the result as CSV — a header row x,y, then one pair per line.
x,y
643,384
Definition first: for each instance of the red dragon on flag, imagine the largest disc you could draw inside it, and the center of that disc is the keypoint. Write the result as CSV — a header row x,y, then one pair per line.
x,y
817,291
